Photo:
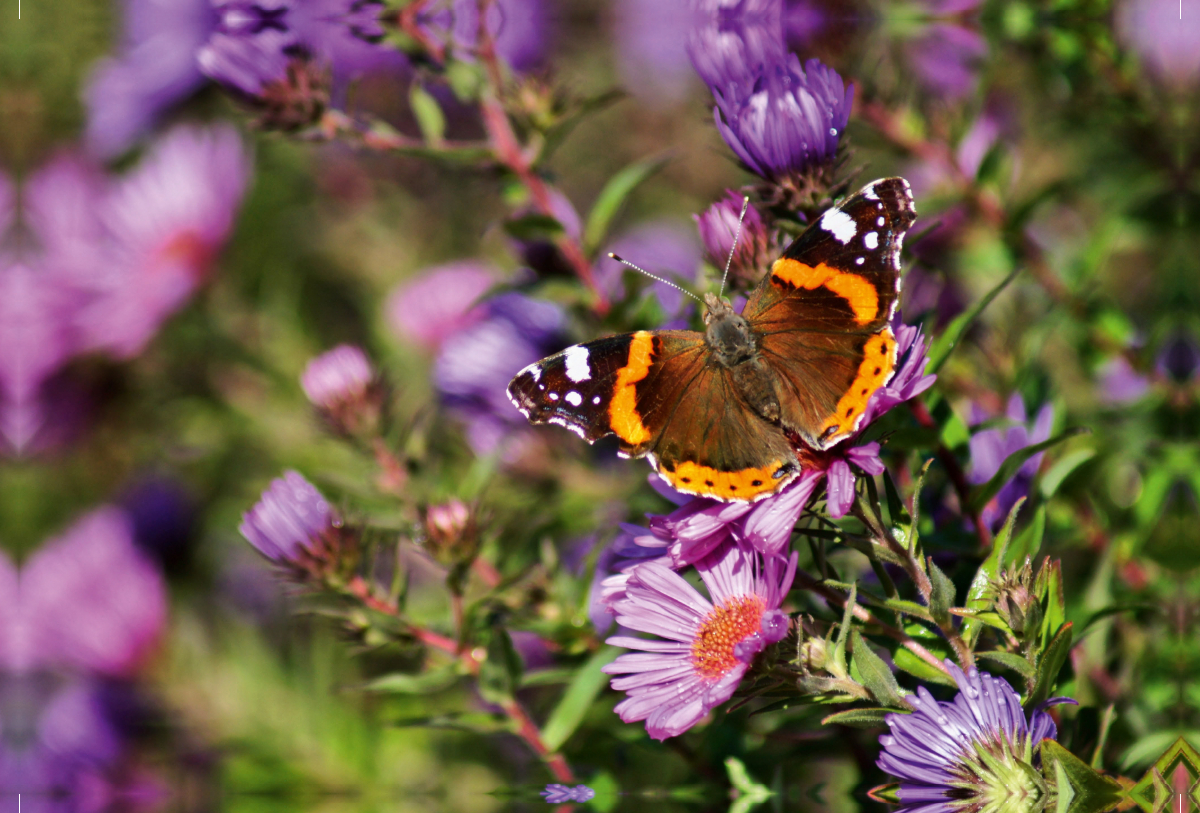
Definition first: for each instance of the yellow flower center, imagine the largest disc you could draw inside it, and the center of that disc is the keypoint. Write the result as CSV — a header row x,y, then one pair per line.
x,y
724,628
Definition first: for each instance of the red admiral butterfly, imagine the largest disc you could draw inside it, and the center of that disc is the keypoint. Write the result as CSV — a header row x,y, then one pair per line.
x,y
722,413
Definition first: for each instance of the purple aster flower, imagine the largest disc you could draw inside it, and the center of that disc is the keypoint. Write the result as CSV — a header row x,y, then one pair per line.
x,y
289,521
991,447
475,364
664,248
557,794
1161,33
439,303
651,42
718,226
977,751
785,124
1120,383
89,600
673,683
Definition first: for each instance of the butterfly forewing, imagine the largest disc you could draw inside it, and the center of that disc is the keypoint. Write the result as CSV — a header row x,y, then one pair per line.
x,y
822,312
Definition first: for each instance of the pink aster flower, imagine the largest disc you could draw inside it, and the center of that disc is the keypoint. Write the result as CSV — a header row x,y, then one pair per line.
x,y
441,302
290,520
338,375
703,648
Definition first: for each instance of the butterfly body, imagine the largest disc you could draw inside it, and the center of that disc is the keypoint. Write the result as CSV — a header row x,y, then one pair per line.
x,y
722,413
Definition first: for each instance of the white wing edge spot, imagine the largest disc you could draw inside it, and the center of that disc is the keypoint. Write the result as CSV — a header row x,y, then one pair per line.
x,y
871,240
839,224
573,398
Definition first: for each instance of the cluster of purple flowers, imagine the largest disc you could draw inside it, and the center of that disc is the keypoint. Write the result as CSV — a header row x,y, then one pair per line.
x,y
112,257
79,621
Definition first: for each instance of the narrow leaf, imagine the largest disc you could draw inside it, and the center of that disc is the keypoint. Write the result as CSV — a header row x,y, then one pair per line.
x,y
1052,661
1063,468
943,595
1029,541
1013,463
424,683
613,196
906,660
897,513
577,699
908,607
1012,660
1090,791
987,574
875,674
860,718
944,345
428,114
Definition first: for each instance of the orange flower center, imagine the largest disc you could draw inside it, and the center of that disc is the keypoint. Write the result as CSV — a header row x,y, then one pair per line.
x,y
724,628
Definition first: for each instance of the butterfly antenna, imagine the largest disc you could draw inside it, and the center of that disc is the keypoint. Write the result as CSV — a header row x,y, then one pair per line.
x,y
623,261
733,248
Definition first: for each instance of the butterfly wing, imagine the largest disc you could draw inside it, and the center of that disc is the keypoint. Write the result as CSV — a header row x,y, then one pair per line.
x,y
664,399
822,313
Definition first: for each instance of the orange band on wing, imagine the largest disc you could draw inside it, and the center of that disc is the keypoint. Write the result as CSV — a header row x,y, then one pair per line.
x,y
879,359
623,416
858,291
726,485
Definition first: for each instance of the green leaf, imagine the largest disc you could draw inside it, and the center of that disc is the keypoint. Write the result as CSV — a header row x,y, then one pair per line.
x,y
1090,791
875,675
532,227
1063,468
861,718
988,572
747,793
1049,666
557,132
434,680
1012,660
500,673
1049,587
838,656
1013,462
943,595
573,707
897,513
1029,542
428,114
906,660
907,607
607,792
944,345
613,196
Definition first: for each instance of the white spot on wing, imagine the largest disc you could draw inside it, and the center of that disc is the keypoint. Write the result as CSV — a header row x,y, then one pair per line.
x,y
577,363
553,396
573,398
871,240
596,400
839,224
879,221
869,192
859,261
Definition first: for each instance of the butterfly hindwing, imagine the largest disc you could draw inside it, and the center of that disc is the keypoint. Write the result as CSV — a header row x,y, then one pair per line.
x,y
822,313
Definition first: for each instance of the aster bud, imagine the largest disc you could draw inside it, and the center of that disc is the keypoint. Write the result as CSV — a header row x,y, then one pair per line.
x,y
294,526
346,391
299,98
451,533
718,226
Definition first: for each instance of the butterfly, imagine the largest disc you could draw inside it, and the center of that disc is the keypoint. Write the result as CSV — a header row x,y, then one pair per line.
x,y
722,413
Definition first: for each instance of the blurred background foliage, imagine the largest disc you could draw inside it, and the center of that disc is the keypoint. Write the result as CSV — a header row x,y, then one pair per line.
x,y
1086,187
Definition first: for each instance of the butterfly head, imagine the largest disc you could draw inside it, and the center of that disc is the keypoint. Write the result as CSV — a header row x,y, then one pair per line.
x,y
727,333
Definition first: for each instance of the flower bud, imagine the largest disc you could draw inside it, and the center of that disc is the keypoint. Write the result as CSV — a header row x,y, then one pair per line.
x,y
293,525
451,534
345,389
718,226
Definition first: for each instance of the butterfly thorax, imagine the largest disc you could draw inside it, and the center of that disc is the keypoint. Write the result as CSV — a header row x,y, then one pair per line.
x,y
735,346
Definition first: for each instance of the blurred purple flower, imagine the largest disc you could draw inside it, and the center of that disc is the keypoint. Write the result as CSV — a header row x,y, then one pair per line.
x,y
664,248
732,43
475,364
89,600
337,376
672,684
521,29
991,447
1120,383
1179,358
976,750
718,227
440,302
651,43
560,794
289,520
1164,36
155,67
786,122
946,58
170,48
